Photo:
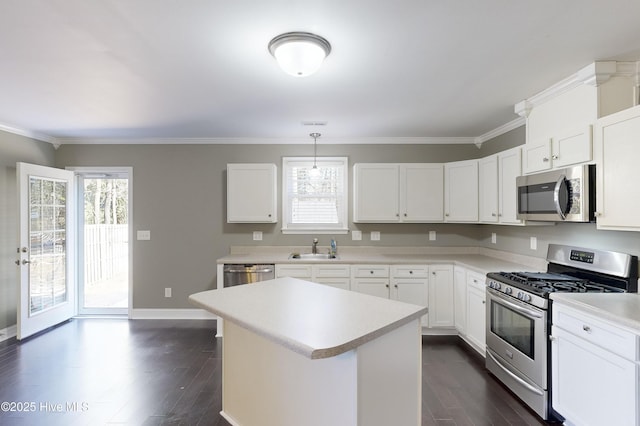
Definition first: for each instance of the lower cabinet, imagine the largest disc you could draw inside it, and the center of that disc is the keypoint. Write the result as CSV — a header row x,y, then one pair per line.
x,y
460,299
476,313
441,293
334,275
595,371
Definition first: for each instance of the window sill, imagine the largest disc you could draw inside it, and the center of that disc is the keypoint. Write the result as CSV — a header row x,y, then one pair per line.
x,y
315,231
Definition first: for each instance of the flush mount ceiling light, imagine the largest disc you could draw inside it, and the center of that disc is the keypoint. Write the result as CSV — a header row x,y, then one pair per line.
x,y
299,54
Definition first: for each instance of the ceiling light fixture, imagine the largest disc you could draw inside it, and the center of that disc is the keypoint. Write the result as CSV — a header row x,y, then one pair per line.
x,y
315,172
299,54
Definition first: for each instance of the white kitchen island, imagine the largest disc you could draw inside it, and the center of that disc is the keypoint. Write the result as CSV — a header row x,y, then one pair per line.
x,y
298,353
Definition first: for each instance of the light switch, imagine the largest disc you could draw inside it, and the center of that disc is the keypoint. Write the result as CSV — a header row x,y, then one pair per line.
x,y
533,243
494,238
356,235
144,235
375,235
432,235
257,235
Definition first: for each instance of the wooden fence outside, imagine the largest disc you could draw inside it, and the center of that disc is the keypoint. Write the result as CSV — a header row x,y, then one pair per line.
x,y
105,252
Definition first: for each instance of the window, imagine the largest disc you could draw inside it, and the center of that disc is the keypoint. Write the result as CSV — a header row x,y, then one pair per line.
x,y
314,201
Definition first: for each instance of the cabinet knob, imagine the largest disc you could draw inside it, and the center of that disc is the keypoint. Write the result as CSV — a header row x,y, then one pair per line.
x,y
269,214
493,214
371,272
405,215
446,214
483,302
395,285
545,159
386,285
554,157
410,272
397,215
586,328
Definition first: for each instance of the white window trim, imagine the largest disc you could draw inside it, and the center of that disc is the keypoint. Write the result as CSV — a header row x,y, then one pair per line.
x,y
331,229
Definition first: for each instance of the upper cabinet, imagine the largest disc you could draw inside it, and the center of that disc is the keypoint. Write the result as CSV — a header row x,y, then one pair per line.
x,y
252,193
497,185
393,193
461,191
617,150
559,119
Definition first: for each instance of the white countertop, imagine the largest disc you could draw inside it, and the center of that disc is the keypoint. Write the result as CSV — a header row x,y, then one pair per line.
x,y
482,263
621,308
314,320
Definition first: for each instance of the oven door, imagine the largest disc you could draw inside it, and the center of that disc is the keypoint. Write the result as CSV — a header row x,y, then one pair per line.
x,y
517,334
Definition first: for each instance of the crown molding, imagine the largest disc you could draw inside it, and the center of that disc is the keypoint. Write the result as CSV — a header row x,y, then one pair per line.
x,y
30,134
514,124
593,74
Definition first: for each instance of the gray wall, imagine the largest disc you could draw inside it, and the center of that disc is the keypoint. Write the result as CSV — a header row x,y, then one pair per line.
x,y
14,148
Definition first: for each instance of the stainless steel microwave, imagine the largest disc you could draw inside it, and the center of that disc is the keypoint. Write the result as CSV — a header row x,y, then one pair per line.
x,y
563,195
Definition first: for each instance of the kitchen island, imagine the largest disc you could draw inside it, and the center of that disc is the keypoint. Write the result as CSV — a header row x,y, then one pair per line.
x,y
299,353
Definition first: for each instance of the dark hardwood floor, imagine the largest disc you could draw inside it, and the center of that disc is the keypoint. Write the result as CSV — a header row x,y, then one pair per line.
x,y
148,372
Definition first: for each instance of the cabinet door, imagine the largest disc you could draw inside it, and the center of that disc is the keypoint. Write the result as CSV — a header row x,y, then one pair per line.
x,y
460,299
509,168
252,193
572,147
537,156
374,287
592,386
441,305
488,187
617,150
376,193
411,290
461,191
421,192
476,311
302,271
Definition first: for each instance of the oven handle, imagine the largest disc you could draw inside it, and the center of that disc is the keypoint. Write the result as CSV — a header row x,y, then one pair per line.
x,y
515,307
514,377
556,197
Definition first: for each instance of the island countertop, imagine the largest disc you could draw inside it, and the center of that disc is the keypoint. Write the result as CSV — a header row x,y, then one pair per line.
x,y
314,320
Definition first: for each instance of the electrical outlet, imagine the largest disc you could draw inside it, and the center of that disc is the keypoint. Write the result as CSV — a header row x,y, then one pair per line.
x,y
432,235
494,238
356,235
167,292
257,235
144,235
375,235
533,243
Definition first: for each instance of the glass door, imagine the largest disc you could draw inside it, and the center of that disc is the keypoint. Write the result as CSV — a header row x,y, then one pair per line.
x,y
104,230
46,253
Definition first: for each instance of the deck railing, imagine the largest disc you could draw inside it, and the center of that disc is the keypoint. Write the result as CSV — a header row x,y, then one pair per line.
x,y
105,251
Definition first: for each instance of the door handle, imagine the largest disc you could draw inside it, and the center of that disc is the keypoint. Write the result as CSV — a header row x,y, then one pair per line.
x,y
25,261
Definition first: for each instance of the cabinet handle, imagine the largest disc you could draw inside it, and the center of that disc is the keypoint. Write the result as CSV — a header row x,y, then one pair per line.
x,y
545,160
586,328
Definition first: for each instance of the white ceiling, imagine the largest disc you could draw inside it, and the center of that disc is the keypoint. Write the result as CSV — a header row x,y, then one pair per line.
x,y
130,69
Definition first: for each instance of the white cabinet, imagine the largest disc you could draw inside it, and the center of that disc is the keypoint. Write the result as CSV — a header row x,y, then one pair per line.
x,y
334,275
409,283
566,148
397,192
252,193
441,295
617,152
595,372
476,312
460,299
461,191
497,187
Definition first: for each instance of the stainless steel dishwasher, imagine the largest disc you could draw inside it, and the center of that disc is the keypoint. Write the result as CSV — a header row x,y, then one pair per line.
x,y
237,274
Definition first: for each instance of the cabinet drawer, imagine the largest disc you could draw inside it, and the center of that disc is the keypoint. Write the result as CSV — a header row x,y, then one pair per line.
x,y
410,271
331,271
295,271
476,280
593,330
343,283
370,271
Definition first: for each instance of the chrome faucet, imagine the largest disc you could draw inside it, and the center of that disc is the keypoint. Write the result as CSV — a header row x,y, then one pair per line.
x,y
314,246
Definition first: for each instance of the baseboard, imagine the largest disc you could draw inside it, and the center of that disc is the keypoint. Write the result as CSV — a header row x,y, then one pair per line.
x,y
8,333
187,314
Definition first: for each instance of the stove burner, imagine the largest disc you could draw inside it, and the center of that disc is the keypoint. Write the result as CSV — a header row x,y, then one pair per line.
x,y
543,283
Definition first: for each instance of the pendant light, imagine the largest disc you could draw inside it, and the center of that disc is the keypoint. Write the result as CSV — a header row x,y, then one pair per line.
x,y
315,172
299,54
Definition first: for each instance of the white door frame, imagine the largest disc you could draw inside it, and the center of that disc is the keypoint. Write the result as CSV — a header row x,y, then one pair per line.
x,y
128,171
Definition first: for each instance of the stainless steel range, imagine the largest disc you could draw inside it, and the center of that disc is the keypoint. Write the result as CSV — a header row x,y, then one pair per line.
x,y
519,317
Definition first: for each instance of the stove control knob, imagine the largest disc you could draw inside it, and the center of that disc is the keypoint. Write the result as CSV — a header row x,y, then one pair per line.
x,y
498,286
508,290
526,297
520,295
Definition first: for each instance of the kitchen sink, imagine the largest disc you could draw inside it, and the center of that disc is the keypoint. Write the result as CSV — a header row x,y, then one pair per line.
x,y
312,256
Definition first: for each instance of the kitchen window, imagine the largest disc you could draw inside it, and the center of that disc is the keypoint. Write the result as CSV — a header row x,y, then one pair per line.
x,y
314,200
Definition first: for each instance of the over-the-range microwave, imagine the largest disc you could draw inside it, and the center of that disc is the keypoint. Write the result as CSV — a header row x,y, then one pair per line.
x,y
562,195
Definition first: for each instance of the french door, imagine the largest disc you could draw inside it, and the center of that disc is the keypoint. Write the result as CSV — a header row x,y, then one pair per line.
x,y
46,252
